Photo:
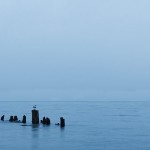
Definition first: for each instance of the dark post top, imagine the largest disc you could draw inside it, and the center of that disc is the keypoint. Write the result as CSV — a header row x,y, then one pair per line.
x,y
35,116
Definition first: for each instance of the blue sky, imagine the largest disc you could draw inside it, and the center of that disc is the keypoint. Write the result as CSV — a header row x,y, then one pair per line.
x,y
53,49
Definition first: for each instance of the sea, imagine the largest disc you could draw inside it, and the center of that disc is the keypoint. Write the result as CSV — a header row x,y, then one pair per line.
x,y
90,125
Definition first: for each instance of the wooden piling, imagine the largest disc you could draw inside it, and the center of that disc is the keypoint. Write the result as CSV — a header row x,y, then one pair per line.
x,y
2,118
62,122
44,120
11,119
48,122
24,119
35,116
15,118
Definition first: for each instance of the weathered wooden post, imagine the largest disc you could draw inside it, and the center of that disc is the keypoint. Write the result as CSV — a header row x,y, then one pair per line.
x,y
24,119
48,122
62,122
11,119
2,118
15,118
35,116
44,120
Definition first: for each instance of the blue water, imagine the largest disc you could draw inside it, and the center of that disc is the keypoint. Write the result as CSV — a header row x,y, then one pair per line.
x,y
89,126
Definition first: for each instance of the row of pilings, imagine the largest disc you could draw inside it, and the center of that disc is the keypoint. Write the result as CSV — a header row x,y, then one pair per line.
x,y
15,119
35,119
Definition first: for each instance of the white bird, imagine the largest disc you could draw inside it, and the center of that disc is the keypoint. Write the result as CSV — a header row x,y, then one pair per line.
x,y
34,106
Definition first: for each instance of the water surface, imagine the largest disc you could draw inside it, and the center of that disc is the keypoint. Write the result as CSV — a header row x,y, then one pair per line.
x,y
96,125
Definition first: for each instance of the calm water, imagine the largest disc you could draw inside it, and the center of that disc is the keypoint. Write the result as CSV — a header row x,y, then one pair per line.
x,y
89,126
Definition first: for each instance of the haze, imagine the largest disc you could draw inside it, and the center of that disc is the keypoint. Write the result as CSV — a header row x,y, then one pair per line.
x,y
74,50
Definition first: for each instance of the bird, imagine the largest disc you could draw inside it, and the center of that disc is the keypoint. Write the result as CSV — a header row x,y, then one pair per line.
x,y
34,107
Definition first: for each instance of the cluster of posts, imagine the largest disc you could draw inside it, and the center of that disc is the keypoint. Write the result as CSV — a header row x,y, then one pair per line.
x,y
35,119
15,119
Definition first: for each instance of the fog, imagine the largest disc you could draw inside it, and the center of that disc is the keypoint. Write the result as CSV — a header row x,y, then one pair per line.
x,y
74,50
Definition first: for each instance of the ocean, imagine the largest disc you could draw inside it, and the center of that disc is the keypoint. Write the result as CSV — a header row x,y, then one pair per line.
x,y
90,125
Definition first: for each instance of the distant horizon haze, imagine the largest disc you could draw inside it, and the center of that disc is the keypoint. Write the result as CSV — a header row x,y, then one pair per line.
x,y
74,50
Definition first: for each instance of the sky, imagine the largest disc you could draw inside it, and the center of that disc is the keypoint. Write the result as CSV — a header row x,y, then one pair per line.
x,y
82,49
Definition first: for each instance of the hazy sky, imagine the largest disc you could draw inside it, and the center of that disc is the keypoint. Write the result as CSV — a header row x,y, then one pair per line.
x,y
80,45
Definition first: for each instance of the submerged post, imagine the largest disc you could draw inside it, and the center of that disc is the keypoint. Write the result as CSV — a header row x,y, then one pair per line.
x,y
24,119
62,122
11,119
35,116
2,118
48,122
15,118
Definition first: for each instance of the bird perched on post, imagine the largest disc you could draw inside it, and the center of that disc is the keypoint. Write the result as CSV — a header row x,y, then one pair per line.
x,y
34,107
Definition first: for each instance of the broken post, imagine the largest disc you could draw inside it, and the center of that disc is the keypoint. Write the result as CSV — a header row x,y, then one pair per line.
x,y
35,116
44,120
62,122
48,122
15,118
24,119
11,119
2,118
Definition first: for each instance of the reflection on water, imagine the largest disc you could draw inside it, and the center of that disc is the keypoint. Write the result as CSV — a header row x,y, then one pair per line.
x,y
35,127
35,136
